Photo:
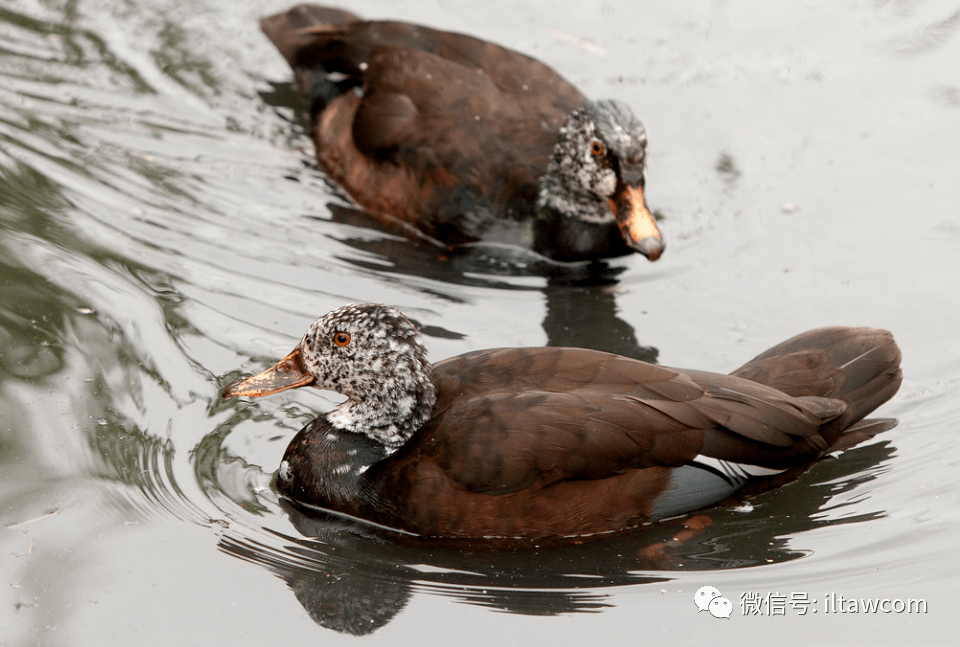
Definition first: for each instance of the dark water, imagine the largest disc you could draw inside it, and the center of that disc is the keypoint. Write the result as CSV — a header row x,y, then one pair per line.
x,y
163,228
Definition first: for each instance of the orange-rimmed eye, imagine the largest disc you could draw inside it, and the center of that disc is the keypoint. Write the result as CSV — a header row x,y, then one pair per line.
x,y
596,148
341,338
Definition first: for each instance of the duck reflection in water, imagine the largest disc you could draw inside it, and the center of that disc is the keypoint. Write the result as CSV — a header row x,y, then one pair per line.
x,y
355,578
579,297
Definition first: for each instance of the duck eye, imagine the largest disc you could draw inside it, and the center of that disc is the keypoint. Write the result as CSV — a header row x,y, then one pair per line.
x,y
596,148
341,338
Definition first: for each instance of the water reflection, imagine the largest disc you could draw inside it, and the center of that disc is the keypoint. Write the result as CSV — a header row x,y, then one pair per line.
x,y
144,248
586,315
355,578
581,307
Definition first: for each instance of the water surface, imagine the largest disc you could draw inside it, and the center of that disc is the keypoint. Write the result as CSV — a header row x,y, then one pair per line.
x,y
164,229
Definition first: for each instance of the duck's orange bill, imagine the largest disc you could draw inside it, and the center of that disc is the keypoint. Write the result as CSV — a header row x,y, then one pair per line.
x,y
637,224
288,373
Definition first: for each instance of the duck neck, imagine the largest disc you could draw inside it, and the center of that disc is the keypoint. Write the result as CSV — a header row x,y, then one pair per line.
x,y
324,466
563,236
387,414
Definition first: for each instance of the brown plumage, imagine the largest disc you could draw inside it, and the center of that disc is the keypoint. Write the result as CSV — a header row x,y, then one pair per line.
x,y
555,442
460,139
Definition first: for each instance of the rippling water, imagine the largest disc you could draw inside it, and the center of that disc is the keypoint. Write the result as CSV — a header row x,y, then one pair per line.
x,y
163,229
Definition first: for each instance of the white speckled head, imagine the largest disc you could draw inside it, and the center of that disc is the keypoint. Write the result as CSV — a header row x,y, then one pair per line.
x,y
374,355
601,144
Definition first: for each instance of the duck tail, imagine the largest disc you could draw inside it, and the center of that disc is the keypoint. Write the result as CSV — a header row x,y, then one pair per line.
x,y
305,36
860,366
860,432
292,30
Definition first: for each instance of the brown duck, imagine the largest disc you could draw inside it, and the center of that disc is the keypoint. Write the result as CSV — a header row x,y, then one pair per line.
x,y
537,443
462,140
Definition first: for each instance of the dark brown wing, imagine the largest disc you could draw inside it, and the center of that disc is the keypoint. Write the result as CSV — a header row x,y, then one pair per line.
x,y
336,41
572,441
590,415
449,132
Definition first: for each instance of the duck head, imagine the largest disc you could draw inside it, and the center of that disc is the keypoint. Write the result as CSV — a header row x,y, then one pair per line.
x,y
370,353
595,181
